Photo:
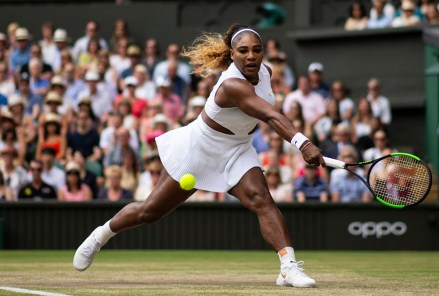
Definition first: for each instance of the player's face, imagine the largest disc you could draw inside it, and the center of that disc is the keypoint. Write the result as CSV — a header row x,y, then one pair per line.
x,y
247,53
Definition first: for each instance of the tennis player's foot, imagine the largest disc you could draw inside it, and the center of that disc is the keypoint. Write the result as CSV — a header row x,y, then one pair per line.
x,y
292,275
86,252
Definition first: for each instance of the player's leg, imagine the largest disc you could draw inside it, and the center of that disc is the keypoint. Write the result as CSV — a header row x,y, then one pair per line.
x,y
252,191
164,199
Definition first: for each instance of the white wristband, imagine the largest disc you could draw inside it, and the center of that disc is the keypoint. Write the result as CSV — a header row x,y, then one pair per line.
x,y
298,140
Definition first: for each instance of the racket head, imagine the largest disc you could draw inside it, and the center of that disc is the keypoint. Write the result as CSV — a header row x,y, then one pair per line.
x,y
399,180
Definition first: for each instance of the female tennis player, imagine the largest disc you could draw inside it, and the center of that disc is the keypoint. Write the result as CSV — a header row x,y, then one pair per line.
x,y
216,148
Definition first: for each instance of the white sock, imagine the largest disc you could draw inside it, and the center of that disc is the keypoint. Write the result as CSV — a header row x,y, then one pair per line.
x,y
286,255
104,233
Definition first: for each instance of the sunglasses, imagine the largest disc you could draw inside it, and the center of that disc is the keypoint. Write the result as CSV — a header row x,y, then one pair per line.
x,y
157,173
36,169
272,174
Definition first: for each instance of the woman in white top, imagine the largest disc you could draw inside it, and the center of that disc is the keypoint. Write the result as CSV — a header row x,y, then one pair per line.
x,y
241,97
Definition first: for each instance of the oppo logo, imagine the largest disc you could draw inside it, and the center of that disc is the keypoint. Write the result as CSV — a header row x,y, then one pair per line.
x,y
377,229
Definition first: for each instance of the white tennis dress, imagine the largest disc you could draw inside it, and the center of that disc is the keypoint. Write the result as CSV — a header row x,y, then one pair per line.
x,y
217,160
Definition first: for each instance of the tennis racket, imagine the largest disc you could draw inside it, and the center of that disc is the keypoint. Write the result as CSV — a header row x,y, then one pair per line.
x,y
397,180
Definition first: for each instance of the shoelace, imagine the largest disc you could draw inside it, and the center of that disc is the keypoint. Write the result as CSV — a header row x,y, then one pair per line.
x,y
91,248
296,265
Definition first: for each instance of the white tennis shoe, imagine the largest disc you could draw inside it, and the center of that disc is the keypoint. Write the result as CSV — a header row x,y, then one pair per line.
x,y
86,252
292,275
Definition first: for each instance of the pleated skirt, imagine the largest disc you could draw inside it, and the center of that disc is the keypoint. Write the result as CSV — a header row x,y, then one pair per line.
x,y
217,160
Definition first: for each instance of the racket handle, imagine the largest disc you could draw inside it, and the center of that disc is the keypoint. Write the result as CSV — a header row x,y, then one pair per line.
x,y
338,164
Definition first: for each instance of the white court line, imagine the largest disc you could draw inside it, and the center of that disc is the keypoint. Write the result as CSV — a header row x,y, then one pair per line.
x,y
33,292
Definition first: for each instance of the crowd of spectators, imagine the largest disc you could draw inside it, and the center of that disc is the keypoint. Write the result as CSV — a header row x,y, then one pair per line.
x,y
387,14
79,119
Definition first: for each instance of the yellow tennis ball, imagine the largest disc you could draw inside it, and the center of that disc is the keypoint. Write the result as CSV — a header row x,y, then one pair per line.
x,y
187,182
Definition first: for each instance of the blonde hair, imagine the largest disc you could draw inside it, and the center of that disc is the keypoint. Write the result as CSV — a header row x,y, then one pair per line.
x,y
211,51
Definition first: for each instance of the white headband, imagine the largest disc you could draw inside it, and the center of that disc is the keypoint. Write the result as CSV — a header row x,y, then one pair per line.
x,y
243,30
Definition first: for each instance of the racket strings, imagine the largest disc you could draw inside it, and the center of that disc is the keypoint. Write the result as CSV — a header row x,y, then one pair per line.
x,y
400,180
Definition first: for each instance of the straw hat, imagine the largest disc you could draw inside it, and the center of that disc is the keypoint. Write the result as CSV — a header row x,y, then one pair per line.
x,y
53,97
22,34
52,118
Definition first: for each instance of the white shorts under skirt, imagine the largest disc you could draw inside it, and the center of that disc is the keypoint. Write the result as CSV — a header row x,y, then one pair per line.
x,y
217,160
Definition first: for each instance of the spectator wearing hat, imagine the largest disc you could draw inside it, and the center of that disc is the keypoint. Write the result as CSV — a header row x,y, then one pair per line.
x,y
100,97
17,106
129,93
7,85
135,55
311,187
36,53
173,53
146,88
21,53
52,133
62,40
315,73
6,120
74,189
91,31
120,60
58,96
408,18
113,190
152,55
52,174
172,104
37,189
196,104
33,102
108,134
13,174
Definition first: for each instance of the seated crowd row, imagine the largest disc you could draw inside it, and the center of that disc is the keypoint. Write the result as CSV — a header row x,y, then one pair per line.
x,y
82,126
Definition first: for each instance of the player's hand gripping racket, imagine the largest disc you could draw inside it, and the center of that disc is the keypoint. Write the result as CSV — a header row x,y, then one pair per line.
x,y
397,180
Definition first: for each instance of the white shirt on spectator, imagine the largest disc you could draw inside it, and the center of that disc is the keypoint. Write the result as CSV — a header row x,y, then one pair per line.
x,y
313,104
108,139
381,108
161,70
344,106
7,87
101,101
146,91
15,180
55,177
119,64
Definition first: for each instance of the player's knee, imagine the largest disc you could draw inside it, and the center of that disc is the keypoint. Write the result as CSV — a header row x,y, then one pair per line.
x,y
257,199
147,216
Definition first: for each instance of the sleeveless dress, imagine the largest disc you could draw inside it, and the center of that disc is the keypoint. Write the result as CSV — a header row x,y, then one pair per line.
x,y
217,160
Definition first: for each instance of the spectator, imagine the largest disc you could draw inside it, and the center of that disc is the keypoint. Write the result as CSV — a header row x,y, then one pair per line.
x,y
313,105
100,97
145,177
276,57
4,57
85,139
38,83
52,175
60,97
146,88
276,156
389,8
107,74
345,104
152,55
135,56
315,73
113,190
37,189
11,30
116,154
36,54
196,105
310,187
344,186
380,104
322,128
408,17
343,136
88,59
146,121
74,85
67,58
51,133
161,70
88,177
120,31
14,137
61,40
130,170
91,31
378,18
14,175
48,47
21,54
119,60
5,191
362,121
281,192
137,104
261,137
381,142
178,84
172,104
432,14
108,135
357,19
123,107
32,102
75,189
7,85
17,105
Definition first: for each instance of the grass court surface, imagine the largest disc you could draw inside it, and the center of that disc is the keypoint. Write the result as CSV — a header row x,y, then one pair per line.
x,y
220,273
